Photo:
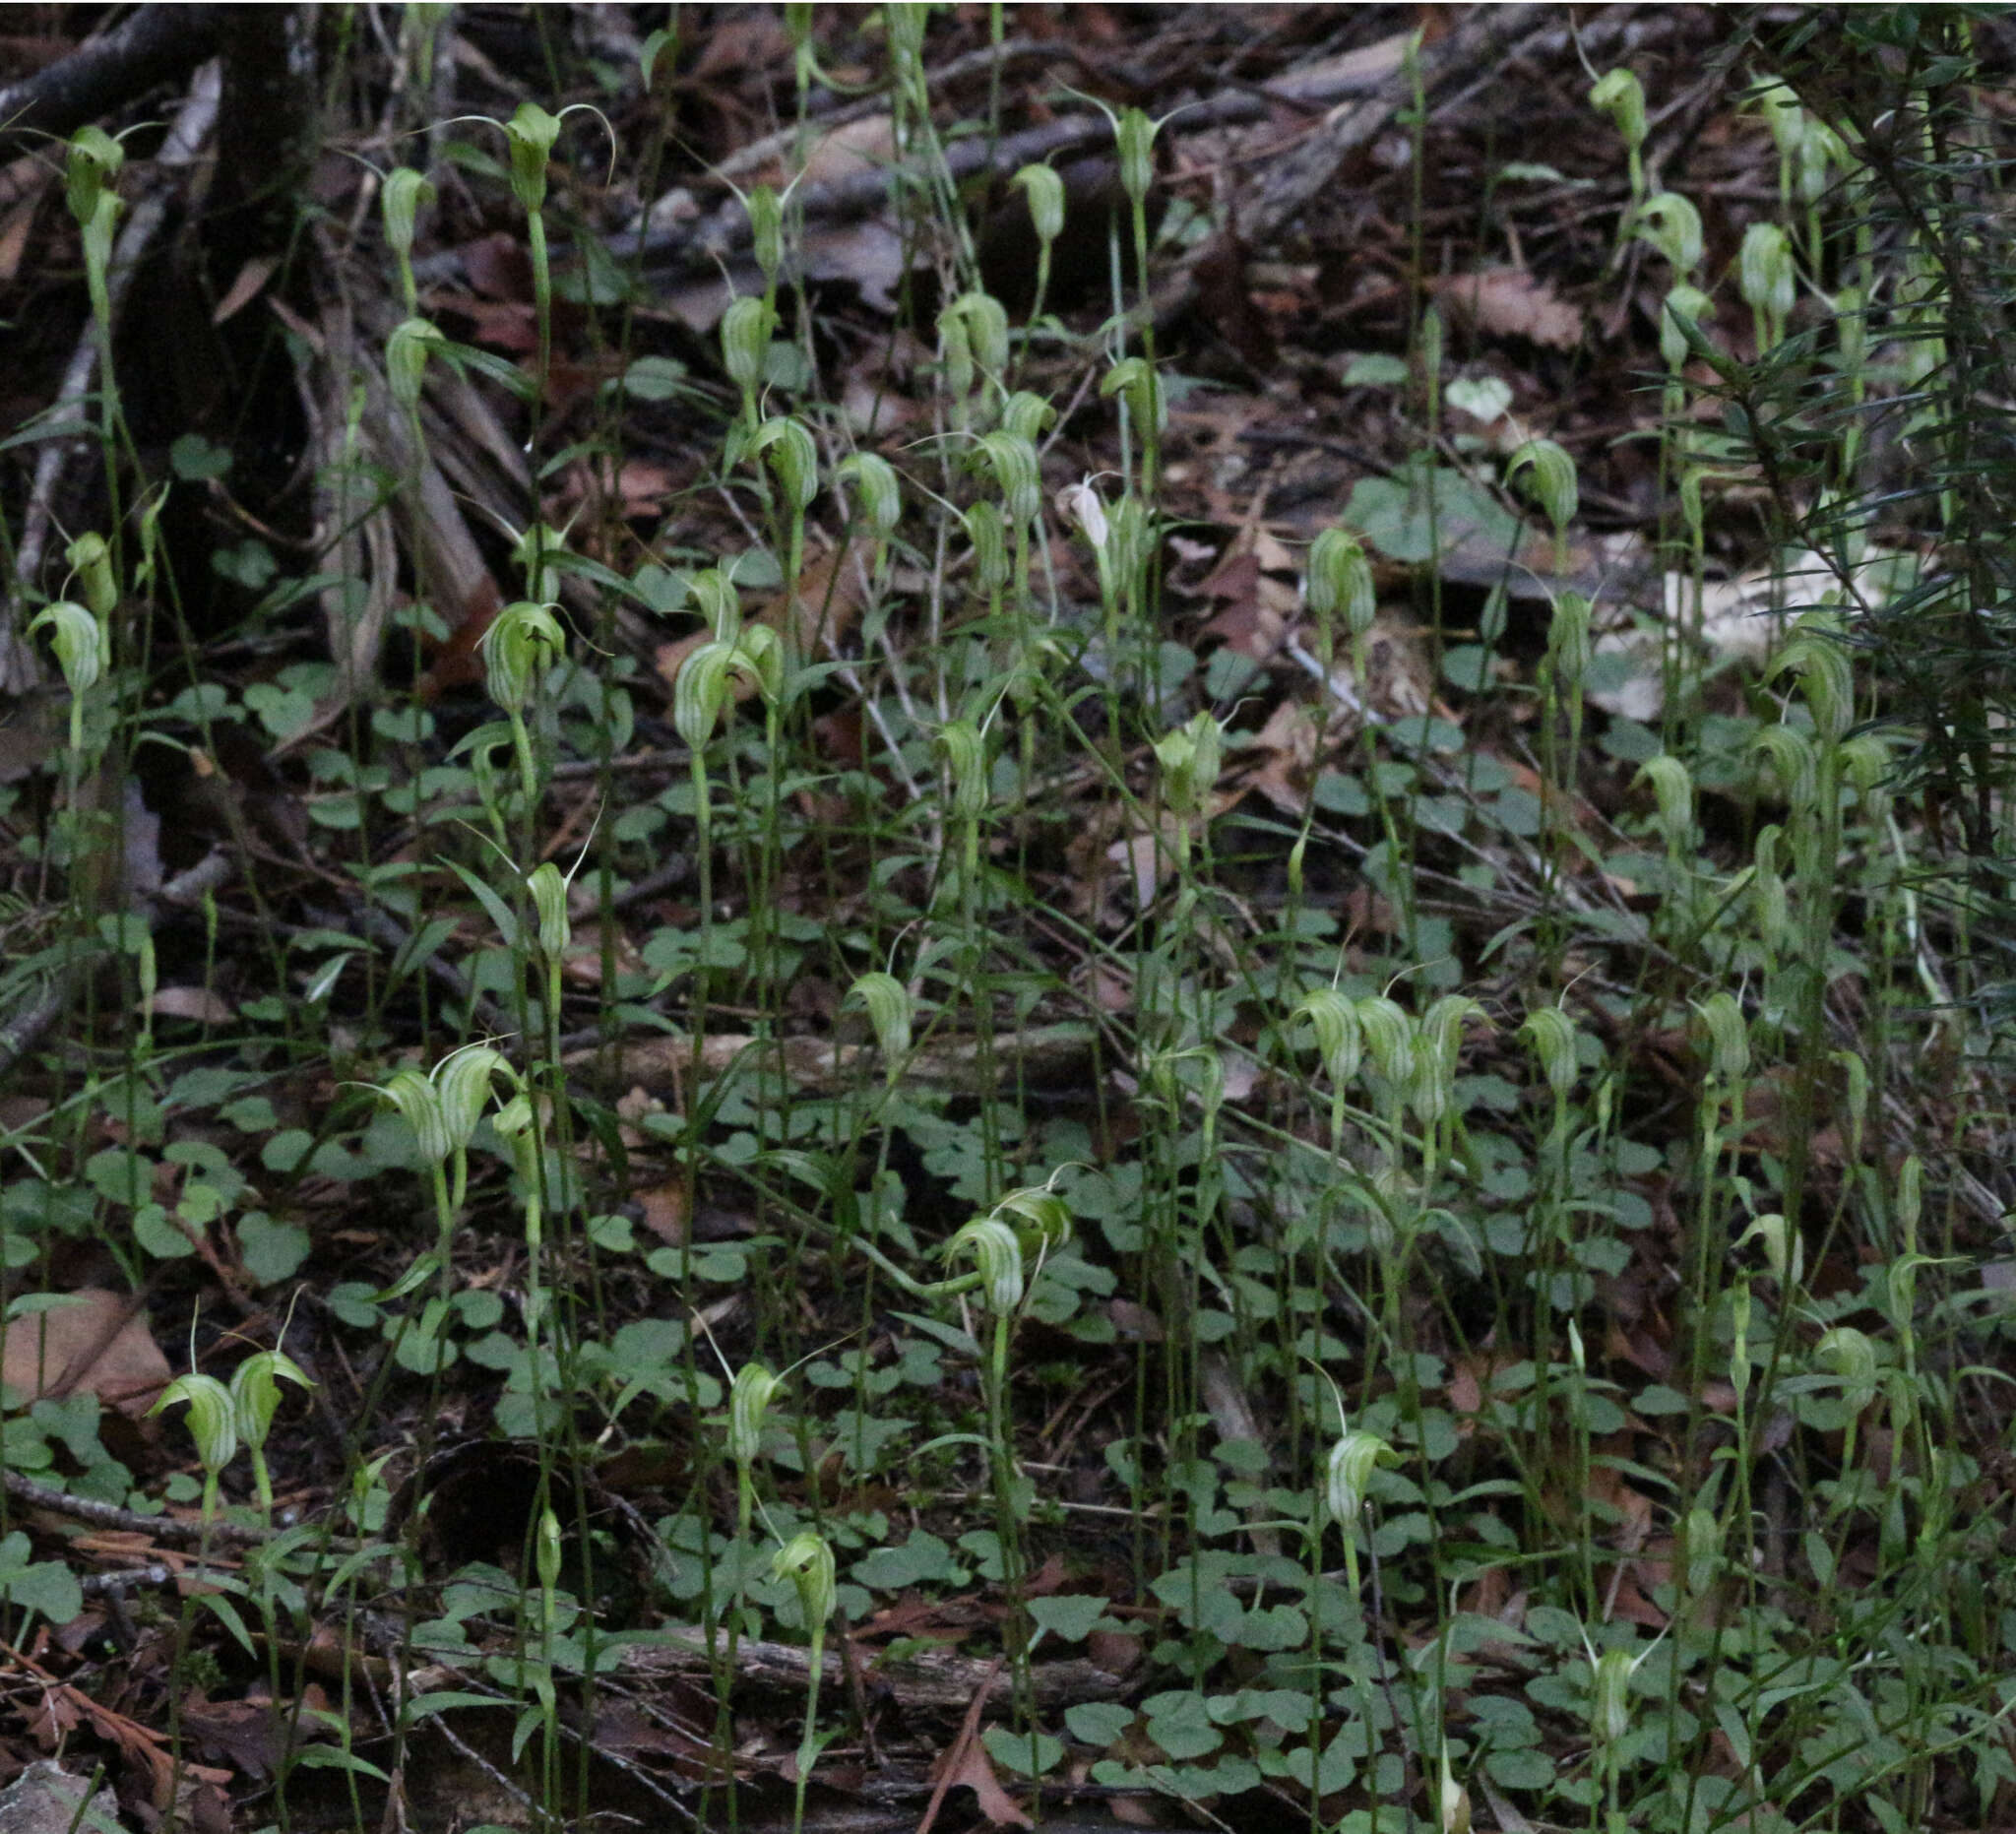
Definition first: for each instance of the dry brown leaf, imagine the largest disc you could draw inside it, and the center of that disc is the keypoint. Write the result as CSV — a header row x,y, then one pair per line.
x,y
664,1211
849,150
201,1004
245,288
1509,303
1283,754
1136,1323
967,1762
14,231
498,266
98,1345
975,1769
1052,1051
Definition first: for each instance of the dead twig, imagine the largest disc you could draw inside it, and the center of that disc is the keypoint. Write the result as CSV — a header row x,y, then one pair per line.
x,y
27,1026
19,666
167,1531
156,44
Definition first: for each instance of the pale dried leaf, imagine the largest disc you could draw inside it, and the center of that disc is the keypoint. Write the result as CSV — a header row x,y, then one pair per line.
x,y
245,288
93,1346
205,1005
1510,302
968,1763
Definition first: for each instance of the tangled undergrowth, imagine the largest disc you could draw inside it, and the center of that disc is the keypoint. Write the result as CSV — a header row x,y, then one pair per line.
x,y
1072,961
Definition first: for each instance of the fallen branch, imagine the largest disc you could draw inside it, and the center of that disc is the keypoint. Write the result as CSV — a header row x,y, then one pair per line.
x,y
157,45
28,1025
1048,1056
167,1531
672,251
21,668
935,1681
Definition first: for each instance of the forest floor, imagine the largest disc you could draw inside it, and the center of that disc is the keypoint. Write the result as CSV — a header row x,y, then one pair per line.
x,y
816,1008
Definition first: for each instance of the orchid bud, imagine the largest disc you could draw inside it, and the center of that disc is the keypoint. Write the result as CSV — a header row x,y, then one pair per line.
x,y
513,1123
986,329
255,1392
888,1005
807,1560
1765,275
1784,1251
1673,791
1770,897
1191,758
1027,416
766,230
399,205
212,1418
1783,115
1851,1356
418,1100
1339,1042
1685,305
546,1549
793,457
988,533
714,594
1609,1700
406,350
997,1254
1554,479
522,641
700,696
1046,193
1551,1034
463,1082
92,162
533,553
875,484
1135,377
1910,1178
1670,224
1795,763
1134,135
748,1401
1620,95
93,559
1729,1038
1569,648
78,640
530,133
1817,655
1702,1540
1040,1218
1389,1037
1347,1476
548,886
1340,581
1432,1090
966,765
1017,474
745,328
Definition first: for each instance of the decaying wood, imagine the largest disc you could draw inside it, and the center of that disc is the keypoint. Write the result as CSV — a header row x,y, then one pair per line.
x,y
1292,179
374,488
698,246
21,669
157,45
1047,1056
937,1681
